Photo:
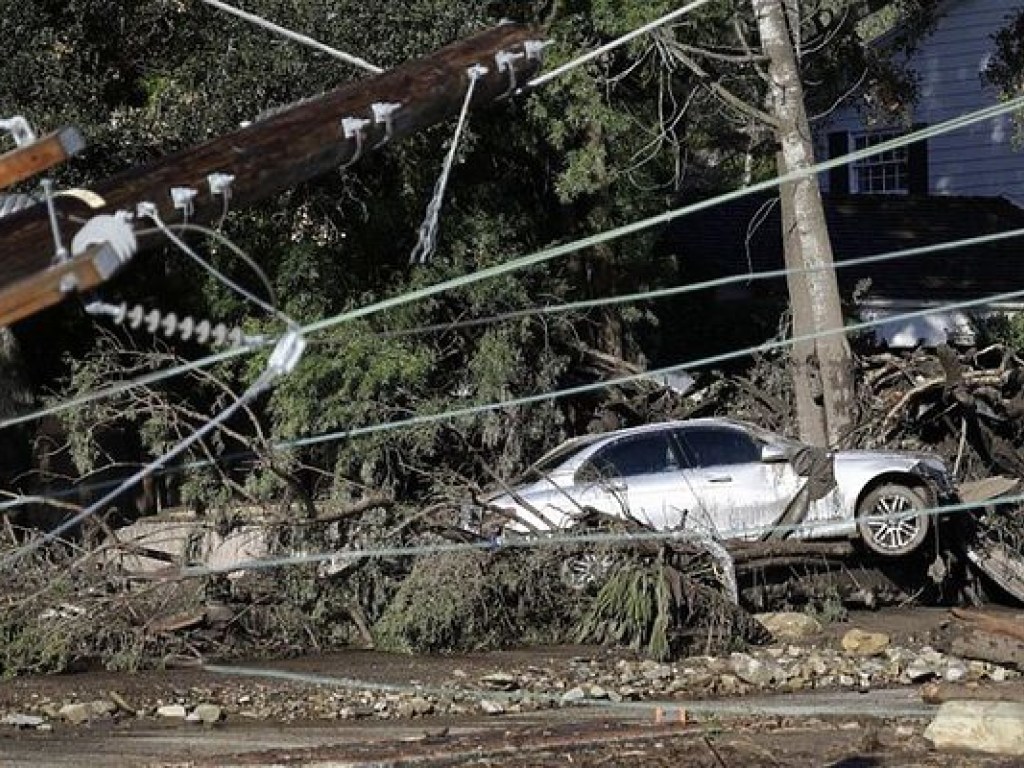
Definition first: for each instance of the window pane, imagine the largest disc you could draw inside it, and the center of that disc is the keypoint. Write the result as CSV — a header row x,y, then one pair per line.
x,y
715,446
638,455
883,173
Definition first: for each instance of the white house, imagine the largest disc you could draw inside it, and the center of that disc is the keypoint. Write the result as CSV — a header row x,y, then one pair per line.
x,y
978,162
961,186
949,65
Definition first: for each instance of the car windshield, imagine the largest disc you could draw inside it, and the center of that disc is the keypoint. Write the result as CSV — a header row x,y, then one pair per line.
x,y
772,438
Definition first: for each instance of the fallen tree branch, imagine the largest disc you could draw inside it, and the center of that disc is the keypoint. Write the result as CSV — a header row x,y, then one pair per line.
x,y
939,693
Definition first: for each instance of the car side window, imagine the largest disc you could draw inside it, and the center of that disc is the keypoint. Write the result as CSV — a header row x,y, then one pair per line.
x,y
630,456
718,446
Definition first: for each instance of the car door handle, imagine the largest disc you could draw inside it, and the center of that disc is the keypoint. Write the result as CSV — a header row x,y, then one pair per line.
x,y
721,479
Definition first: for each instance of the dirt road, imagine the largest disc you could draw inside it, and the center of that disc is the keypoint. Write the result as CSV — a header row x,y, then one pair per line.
x,y
764,731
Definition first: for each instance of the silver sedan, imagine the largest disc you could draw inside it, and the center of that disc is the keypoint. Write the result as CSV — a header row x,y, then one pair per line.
x,y
726,479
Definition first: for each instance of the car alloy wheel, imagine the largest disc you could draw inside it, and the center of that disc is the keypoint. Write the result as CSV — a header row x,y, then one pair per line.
x,y
889,522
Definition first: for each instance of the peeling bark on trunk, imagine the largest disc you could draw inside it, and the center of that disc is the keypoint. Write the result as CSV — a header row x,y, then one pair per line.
x,y
826,415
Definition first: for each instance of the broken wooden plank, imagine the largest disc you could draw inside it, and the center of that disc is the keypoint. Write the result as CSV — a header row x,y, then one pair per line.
x,y
939,693
988,488
1001,563
42,154
177,623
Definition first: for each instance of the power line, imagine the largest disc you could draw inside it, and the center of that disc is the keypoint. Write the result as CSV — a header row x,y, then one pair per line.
x,y
618,42
646,295
247,397
427,239
549,254
270,309
597,386
719,282
582,389
616,233
286,355
140,381
259,21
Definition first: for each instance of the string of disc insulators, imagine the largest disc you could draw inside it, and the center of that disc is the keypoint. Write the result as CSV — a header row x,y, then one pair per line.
x,y
185,328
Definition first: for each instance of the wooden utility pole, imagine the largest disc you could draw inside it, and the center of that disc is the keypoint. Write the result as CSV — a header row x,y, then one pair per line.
x,y
287,148
823,370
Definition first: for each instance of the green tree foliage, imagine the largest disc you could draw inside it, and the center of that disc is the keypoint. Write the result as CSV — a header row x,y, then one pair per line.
x,y
1005,69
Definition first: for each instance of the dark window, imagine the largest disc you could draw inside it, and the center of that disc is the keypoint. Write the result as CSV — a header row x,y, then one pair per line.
x,y
715,446
882,174
636,455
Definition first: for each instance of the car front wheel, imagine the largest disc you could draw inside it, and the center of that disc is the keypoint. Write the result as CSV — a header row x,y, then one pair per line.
x,y
889,520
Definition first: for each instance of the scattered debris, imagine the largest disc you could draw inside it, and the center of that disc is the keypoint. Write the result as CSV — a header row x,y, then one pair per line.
x,y
207,714
19,720
177,711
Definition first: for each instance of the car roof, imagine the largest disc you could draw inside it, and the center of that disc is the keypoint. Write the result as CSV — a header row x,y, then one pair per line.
x,y
598,437
708,421
590,443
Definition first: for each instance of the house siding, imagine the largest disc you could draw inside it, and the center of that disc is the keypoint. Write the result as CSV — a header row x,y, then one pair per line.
x,y
980,159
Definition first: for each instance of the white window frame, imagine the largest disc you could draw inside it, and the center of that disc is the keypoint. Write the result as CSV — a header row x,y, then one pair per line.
x,y
887,173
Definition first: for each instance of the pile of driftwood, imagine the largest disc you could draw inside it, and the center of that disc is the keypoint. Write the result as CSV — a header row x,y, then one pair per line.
x,y
964,405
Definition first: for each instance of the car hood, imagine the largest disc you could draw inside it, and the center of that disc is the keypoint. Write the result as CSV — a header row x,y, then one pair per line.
x,y
526,490
877,455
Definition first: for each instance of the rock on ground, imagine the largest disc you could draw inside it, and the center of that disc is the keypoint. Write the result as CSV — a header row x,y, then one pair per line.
x,y
995,727
857,642
790,627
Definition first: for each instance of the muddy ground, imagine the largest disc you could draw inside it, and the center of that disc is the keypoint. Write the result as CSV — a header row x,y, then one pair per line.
x,y
828,728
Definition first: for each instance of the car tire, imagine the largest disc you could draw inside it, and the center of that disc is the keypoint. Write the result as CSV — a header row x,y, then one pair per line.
x,y
888,536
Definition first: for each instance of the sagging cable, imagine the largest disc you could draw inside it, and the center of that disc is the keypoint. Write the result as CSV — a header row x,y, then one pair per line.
x,y
427,240
148,210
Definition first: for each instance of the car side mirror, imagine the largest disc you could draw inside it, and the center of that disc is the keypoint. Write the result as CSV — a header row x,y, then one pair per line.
x,y
773,454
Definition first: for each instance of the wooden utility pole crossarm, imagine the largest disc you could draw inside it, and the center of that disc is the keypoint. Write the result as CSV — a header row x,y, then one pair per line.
x,y
38,156
287,148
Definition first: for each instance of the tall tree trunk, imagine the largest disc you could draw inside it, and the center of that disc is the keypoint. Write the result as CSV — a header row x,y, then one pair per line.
x,y
823,370
810,403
